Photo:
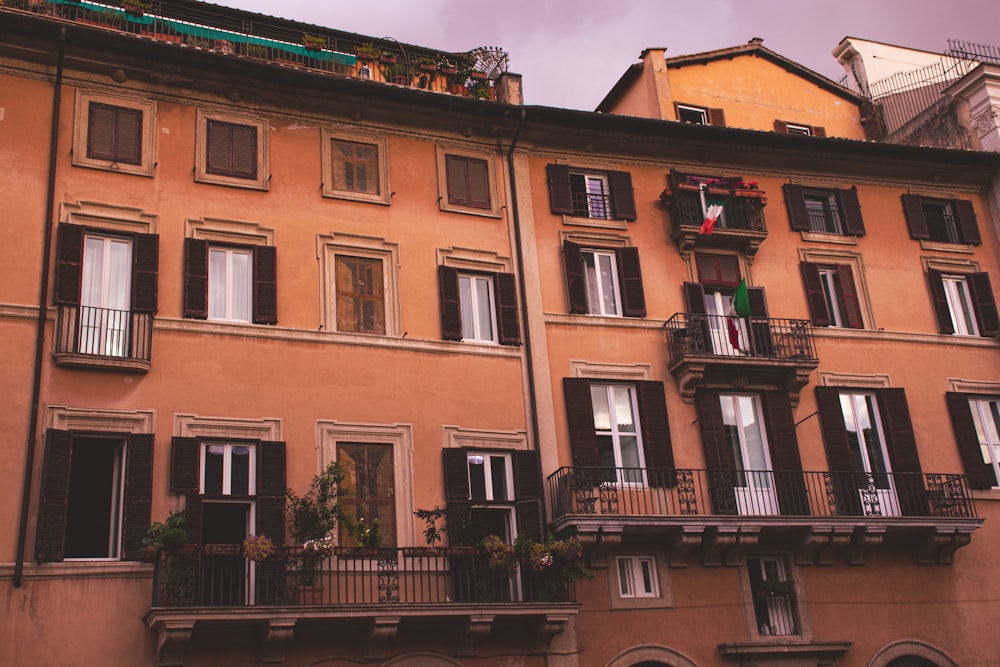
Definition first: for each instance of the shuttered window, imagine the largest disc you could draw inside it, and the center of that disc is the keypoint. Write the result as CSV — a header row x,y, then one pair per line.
x,y
832,295
478,306
468,181
237,283
964,303
941,220
786,127
602,195
689,113
604,281
976,422
824,210
114,133
231,149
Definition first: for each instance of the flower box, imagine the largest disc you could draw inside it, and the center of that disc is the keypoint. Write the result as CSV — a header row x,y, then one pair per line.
x,y
718,190
479,76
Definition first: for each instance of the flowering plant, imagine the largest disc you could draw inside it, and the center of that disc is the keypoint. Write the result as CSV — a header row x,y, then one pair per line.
x,y
322,546
367,534
500,554
747,185
258,547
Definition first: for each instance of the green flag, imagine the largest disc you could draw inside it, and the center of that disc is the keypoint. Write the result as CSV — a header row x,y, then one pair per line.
x,y
741,302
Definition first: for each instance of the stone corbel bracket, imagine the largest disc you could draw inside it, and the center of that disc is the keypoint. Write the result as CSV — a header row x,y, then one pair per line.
x,y
172,638
939,547
381,631
477,627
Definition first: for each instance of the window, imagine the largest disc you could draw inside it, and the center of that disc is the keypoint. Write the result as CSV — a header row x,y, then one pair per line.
x,y
369,490
871,451
355,167
104,279
964,304
976,421
490,476
773,594
620,425
468,181
604,281
833,297
478,306
599,195
227,283
227,470
751,452
637,577
687,113
802,129
231,151
96,495
360,295
824,210
941,220
114,133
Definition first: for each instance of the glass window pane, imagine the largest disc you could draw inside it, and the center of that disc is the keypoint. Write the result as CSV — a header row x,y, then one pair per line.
x,y
477,477
609,298
625,577
599,401
240,470
593,287
240,287
623,409
647,575
214,457
498,472
484,309
467,305
217,284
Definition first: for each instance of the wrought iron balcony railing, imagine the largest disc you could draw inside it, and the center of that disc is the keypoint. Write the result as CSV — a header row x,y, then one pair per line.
x,y
592,205
691,493
213,576
738,214
740,337
103,332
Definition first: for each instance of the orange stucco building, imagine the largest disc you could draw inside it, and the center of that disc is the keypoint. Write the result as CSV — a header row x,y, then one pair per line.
x,y
748,378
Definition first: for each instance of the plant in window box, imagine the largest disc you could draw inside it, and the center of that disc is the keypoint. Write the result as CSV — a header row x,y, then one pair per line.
x,y
258,548
367,52
481,90
167,535
447,67
776,587
426,64
313,42
136,7
387,57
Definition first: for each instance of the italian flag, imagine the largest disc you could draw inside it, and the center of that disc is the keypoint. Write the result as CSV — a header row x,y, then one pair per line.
x,y
713,209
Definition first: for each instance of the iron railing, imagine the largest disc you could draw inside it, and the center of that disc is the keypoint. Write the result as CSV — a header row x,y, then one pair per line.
x,y
687,493
775,613
739,337
906,95
592,205
103,332
218,575
739,213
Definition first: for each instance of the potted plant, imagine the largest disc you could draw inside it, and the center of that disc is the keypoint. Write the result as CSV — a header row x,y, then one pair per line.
x,y
313,42
426,64
314,515
447,67
167,535
367,52
258,548
136,7
398,73
776,587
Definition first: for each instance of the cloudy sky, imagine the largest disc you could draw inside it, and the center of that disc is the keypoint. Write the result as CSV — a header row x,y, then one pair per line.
x,y
571,52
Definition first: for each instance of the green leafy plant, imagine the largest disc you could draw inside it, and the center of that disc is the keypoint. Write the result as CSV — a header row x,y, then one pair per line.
x,y
136,6
366,534
313,41
368,51
775,586
457,525
167,534
314,515
258,548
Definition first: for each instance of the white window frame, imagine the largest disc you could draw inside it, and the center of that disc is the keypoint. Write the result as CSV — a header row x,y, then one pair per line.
x,y
601,196
232,291
757,495
227,467
989,437
615,433
82,131
832,257
486,457
827,202
201,173
950,220
327,154
635,569
109,336
885,498
703,112
796,128
831,291
963,316
785,605
471,308
595,283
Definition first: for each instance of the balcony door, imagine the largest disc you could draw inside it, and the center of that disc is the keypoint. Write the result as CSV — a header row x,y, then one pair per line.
x,y
754,486
728,332
225,577
105,296
867,445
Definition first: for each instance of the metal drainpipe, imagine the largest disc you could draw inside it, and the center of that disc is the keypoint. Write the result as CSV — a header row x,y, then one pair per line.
x,y
43,292
532,397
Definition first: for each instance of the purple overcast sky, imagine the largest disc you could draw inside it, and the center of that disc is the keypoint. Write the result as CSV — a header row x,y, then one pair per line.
x,y
571,52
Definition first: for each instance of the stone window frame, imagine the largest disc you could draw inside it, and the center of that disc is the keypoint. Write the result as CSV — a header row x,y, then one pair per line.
x,y
201,174
328,135
80,158
328,247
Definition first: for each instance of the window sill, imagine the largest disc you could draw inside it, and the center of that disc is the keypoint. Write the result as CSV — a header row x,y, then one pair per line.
x,y
838,239
97,363
380,199
786,647
602,223
939,246
469,210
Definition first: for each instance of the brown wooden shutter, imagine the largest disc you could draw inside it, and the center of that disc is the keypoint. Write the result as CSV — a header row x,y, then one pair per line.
x,y
940,301
850,209
630,279
101,132
914,211
902,446
69,264
716,117
265,285
718,452
967,226
451,305
529,519
138,501
192,510
698,329
479,183
656,433
622,195
196,278
984,304
271,486
128,136
852,305
456,473
580,420
50,535
456,174
841,460
784,448
576,281
795,201
218,148
527,475
505,293
244,151
185,465
780,126
560,191
763,343
815,294
145,261
818,131
968,440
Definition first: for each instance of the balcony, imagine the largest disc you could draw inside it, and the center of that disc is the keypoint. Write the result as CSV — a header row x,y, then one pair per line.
x,y
741,225
385,588
238,34
103,338
817,514
758,350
